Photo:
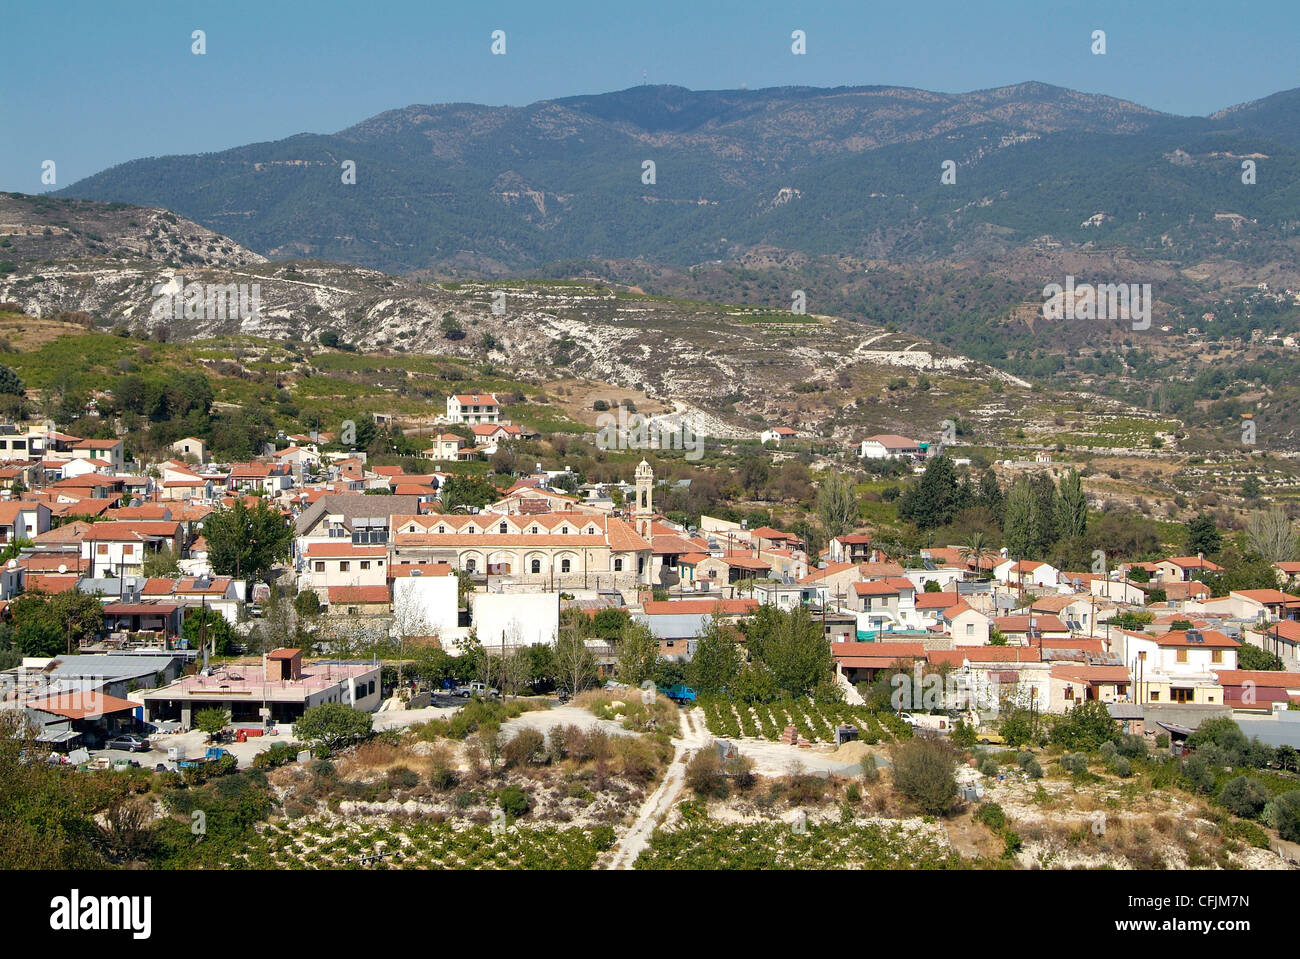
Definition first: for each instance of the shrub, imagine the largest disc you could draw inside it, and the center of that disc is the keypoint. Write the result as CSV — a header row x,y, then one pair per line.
x,y
1121,766
1162,741
1198,774
989,766
1033,768
1074,762
1132,746
1024,757
1283,814
1108,751
923,772
1085,727
1243,797
705,776
962,735
853,793
526,747
442,777
741,770
402,777
870,771
514,801
991,815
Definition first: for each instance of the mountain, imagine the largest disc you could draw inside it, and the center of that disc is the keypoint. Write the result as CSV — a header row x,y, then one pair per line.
x,y
851,170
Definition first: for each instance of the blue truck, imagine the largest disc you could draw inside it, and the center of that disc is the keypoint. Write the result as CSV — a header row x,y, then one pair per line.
x,y
212,754
679,694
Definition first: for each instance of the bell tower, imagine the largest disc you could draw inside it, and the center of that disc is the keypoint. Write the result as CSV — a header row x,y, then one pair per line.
x,y
645,481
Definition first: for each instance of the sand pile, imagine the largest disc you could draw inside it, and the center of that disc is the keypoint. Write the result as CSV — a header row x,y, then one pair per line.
x,y
851,752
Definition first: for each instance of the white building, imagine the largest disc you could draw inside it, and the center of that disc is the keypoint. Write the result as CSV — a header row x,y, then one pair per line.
x,y
473,408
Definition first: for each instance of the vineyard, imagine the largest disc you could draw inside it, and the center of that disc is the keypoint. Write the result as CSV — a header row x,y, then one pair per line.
x,y
777,845
814,721
424,844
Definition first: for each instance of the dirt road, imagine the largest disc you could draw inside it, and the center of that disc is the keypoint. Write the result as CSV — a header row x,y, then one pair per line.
x,y
694,735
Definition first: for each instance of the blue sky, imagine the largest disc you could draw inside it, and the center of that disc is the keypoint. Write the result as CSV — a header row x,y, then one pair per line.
x,y
88,87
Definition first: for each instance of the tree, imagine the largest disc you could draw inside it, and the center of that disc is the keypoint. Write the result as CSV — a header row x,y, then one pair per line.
x,y
1270,535
10,384
1203,537
1243,797
161,563
1252,657
332,724
468,491
205,624
575,666
975,552
1073,506
935,499
246,542
990,496
637,652
837,505
716,661
1022,528
1283,813
211,720
793,647
924,768
46,626
1085,727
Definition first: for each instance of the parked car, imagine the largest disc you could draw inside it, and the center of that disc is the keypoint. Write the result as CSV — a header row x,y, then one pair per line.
x,y
476,689
129,742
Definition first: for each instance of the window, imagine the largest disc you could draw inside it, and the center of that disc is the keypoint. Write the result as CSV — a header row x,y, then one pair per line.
x,y
470,565
365,564
1180,695
442,529
320,566
618,565
1216,655
1155,697
502,528
564,530
970,629
565,565
344,565
1069,693
102,549
1182,656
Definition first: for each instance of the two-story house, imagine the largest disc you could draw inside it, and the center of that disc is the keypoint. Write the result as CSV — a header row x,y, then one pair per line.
x,y
473,408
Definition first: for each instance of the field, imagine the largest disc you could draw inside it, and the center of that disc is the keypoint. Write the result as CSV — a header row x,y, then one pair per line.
x,y
814,721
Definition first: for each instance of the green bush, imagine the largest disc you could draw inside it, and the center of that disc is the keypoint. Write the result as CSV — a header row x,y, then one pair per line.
x,y
1283,814
991,815
1198,774
1074,762
923,772
1085,727
1033,768
1162,741
1243,797
704,774
1121,766
514,801
1132,746
962,735
989,766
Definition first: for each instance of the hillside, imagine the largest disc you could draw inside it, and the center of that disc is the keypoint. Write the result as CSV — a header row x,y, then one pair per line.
x,y
853,171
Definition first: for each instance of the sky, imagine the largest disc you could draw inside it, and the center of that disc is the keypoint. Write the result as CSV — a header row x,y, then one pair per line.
x,y
90,84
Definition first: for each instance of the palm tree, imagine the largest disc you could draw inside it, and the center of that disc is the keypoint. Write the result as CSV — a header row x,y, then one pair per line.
x,y
977,550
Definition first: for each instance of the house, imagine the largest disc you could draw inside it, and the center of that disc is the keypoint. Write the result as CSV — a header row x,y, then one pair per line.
x,y
776,435
569,548
1182,569
444,447
887,605
1287,572
298,458
119,548
888,446
268,478
1026,573
1078,612
1177,666
1260,605
473,408
1280,638
190,446
358,600
1258,690
335,564
966,625
22,520
277,692
1073,683
111,451
854,548
1026,630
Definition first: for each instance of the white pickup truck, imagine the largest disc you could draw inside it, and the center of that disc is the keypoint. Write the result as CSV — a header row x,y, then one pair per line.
x,y
476,689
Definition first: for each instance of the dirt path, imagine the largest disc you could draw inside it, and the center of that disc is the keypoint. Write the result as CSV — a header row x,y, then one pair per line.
x,y
694,735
